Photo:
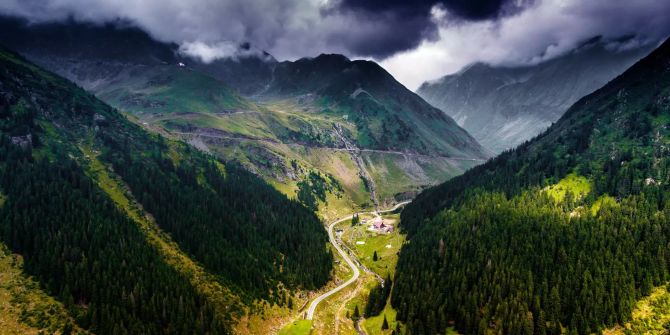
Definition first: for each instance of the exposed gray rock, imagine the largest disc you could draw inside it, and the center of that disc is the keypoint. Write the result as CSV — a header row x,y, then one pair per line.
x,y
25,142
99,120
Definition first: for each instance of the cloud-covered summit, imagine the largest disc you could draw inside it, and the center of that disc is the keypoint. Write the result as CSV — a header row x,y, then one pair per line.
x,y
415,40
541,31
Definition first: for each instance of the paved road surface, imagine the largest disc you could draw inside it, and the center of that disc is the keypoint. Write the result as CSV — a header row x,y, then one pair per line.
x,y
357,272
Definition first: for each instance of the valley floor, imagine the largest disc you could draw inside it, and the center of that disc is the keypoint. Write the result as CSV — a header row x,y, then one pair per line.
x,y
357,273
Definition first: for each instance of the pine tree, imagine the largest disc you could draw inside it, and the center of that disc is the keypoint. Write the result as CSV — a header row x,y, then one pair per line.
x,y
374,256
385,324
357,314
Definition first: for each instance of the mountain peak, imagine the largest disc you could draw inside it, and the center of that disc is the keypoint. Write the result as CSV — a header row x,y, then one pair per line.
x,y
332,58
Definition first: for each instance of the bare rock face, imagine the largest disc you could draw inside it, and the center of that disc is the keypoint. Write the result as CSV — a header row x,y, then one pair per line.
x,y
25,142
99,120
7,98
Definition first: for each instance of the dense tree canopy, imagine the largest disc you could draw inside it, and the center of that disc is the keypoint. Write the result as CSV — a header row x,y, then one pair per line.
x,y
238,226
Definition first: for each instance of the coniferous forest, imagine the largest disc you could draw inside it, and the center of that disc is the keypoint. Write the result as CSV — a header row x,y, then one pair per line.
x,y
501,248
85,251
214,214
377,298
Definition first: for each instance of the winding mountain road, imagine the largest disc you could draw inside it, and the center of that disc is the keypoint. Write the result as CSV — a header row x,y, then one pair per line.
x,y
273,141
352,265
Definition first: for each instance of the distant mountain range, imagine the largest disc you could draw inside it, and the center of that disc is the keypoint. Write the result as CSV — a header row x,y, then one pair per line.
x,y
277,118
504,106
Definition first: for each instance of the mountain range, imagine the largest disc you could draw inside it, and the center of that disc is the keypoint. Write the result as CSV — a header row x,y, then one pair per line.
x,y
279,119
504,106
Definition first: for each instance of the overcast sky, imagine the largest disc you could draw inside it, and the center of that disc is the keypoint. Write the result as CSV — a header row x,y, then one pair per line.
x,y
414,40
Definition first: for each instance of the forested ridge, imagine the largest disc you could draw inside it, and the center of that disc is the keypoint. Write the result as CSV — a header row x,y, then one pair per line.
x,y
564,233
82,249
87,253
237,225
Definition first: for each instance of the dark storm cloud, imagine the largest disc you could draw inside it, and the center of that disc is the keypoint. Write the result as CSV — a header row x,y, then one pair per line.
x,y
466,9
405,24
374,28
394,31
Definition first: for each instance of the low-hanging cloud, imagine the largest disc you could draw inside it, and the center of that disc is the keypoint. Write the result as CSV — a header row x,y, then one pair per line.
x,y
209,52
545,30
415,40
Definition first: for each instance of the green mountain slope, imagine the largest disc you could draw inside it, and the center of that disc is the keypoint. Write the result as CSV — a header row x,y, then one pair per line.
x,y
169,89
77,179
565,232
123,65
386,114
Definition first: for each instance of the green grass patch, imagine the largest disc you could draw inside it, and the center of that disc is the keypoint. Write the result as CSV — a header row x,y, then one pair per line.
x,y
650,316
578,185
452,331
99,172
387,258
373,325
24,307
360,299
602,200
300,327
386,245
168,89
247,125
